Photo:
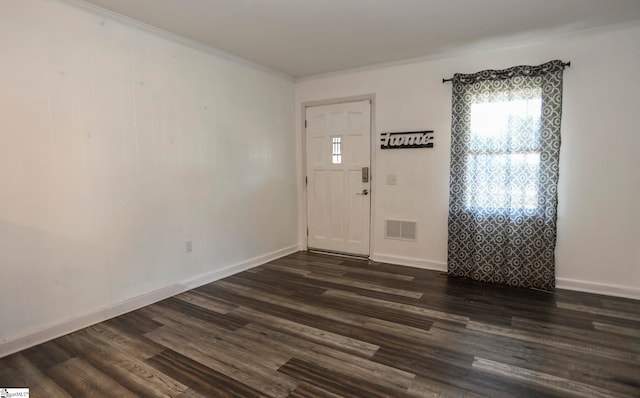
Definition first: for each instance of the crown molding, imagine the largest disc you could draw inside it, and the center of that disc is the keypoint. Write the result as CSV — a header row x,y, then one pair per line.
x,y
483,47
181,40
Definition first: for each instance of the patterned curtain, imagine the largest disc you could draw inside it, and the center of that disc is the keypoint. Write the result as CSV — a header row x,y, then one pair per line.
x,y
505,145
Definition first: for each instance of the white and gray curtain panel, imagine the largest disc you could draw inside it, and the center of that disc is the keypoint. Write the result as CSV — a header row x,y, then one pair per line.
x,y
505,147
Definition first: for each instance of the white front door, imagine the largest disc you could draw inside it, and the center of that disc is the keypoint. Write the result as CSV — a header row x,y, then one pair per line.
x,y
338,178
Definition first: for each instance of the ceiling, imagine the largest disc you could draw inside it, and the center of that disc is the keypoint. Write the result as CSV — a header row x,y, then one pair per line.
x,y
308,37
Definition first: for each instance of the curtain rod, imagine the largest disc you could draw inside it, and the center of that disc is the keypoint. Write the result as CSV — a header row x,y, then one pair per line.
x,y
450,79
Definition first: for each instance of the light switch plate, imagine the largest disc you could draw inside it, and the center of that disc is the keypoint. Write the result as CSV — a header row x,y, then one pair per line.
x,y
392,179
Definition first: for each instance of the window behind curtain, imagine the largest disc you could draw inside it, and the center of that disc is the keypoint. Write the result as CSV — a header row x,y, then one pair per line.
x,y
503,161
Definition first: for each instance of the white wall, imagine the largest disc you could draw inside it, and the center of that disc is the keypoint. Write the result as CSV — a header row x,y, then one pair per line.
x,y
599,190
116,146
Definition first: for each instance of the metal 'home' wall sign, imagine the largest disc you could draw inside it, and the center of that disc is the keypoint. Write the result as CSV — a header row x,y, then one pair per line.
x,y
409,139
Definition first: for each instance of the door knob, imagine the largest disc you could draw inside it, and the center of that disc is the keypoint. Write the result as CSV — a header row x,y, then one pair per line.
x,y
364,192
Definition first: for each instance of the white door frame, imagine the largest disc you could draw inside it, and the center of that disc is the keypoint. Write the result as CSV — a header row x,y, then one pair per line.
x,y
372,173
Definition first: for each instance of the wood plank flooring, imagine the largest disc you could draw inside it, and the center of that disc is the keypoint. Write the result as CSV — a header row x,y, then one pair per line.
x,y
311,325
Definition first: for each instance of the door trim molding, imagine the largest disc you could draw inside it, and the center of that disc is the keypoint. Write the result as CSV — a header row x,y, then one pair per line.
x,y
303,156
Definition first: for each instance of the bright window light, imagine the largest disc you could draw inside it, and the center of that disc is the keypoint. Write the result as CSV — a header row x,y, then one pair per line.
x,y
503,162
336,150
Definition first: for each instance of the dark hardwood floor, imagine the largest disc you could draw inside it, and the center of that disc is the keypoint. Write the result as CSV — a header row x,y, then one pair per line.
x,y
310,325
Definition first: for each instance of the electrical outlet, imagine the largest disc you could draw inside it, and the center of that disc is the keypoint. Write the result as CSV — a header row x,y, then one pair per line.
x,y
188,246
392,179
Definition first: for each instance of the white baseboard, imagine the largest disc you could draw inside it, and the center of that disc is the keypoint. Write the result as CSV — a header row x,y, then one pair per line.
x,y
51,332
410,262
561,283
598,288
239,267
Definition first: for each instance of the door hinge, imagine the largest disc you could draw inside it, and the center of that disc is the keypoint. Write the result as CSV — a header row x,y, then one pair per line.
x,y
305,124
306,181
307,231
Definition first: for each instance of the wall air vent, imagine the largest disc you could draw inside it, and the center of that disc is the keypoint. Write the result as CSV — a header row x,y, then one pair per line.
x,y
396,229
